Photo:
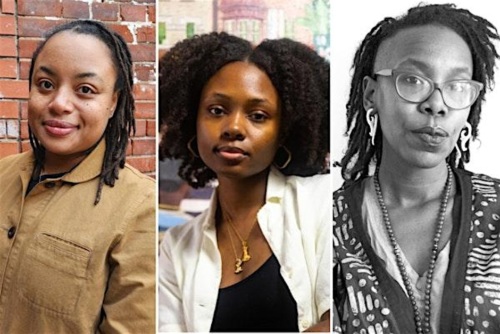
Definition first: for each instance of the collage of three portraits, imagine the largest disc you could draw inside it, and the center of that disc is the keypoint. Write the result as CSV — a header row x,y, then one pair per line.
x,y
249,166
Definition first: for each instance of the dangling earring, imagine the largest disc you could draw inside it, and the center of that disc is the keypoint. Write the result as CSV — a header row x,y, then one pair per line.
x,y
372,120
465,136
190,148
283,166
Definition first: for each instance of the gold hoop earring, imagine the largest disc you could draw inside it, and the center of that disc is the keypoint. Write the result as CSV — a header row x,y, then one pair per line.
x,y
191,149
287,162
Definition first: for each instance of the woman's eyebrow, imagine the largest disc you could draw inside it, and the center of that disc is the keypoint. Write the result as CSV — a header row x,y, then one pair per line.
x,y
82,75
426,67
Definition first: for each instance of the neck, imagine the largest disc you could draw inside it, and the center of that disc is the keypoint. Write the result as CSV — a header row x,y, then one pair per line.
x,y
242,198
60,164
407,185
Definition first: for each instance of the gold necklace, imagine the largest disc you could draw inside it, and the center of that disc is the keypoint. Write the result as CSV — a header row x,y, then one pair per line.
x,y
245,253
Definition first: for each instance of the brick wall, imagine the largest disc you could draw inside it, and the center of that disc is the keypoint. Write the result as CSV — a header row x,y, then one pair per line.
x,y
22,23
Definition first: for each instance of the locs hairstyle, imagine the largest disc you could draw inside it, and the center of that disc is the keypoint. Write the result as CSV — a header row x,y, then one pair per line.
x,y
477,32
122,124
299,74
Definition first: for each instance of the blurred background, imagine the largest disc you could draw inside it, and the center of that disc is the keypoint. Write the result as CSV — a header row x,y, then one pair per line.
x,y
307,21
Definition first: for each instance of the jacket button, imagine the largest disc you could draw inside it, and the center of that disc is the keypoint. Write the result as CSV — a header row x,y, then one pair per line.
x,y
11,232
49,185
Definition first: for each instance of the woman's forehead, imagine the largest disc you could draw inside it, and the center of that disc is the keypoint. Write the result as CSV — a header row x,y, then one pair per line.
x,y
425,47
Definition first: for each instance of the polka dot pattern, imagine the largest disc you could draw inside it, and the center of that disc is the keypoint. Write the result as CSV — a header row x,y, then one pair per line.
x,y
362,306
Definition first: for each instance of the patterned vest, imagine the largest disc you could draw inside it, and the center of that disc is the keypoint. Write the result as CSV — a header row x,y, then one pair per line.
x,y
370,301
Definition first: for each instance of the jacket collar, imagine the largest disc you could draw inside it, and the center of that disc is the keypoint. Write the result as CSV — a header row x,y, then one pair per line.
x,y
275,190
90,167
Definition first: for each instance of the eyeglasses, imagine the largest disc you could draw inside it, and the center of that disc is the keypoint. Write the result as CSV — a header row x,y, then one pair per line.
x,y
457,94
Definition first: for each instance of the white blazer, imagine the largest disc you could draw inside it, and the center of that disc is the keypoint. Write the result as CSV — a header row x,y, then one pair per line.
x,y
296,222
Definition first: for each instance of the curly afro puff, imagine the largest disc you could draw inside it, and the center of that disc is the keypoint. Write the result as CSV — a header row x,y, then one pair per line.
x,y
298,73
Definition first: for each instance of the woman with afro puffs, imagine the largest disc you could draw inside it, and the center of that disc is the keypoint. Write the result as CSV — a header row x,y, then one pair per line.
x,y
255,119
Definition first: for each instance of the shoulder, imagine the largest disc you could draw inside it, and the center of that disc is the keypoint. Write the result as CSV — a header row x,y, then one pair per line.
x,y
481,183
132,179
317,184
15,160
180,236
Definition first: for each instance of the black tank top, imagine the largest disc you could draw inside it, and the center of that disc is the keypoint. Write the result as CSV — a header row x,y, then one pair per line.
x,y
260,303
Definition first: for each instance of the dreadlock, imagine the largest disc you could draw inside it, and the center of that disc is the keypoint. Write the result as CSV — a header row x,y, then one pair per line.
x,y
122,123
300,76
476,31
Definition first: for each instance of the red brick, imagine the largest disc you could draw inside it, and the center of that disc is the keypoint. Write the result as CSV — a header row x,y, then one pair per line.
x,y
146,34
25,146
124,31
24,130
24,69
39,8
14,89
7,25
145,72
75,9
140,127
133,13
143,52
129,148
8,46
27,46
152,13
8,148
151,128
144,164
143,146
145,110
9,109
144,92
105,11
8,6
34,26
8,68
24,109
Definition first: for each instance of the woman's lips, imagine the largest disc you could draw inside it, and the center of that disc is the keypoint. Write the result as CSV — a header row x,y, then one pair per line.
x,y
58,128
432,136
231,153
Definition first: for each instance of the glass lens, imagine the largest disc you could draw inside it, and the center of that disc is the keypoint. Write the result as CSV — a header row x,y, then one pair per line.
x,y
412,87
459,94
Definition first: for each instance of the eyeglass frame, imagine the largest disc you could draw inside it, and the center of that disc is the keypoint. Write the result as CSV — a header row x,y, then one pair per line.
x,y
394,74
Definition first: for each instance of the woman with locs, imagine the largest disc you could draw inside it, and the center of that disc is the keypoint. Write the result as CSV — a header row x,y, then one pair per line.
x,y
416,241
78,223
256,120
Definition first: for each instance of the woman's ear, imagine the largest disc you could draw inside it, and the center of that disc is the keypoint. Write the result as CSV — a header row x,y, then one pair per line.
x,y
114,102
369,88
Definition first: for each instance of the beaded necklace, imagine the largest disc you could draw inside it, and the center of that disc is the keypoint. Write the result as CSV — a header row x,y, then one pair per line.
x,y
421,326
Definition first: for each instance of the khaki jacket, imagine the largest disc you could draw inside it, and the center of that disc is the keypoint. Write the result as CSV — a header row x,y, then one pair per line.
x,y
69,266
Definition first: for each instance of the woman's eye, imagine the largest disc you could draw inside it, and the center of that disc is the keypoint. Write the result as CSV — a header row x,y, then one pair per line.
x,y
45,84
85,90
217,111
413,80
258,116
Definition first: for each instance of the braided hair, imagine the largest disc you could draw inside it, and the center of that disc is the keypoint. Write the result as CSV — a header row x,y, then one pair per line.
x,y
300,76
122,123
476,31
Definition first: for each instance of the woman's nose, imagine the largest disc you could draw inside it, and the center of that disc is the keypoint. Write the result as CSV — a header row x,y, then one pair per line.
x,y
434,105
61,101
234,127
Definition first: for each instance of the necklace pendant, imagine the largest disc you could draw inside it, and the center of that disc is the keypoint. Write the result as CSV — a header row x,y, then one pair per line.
x,y
238,269
246,255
